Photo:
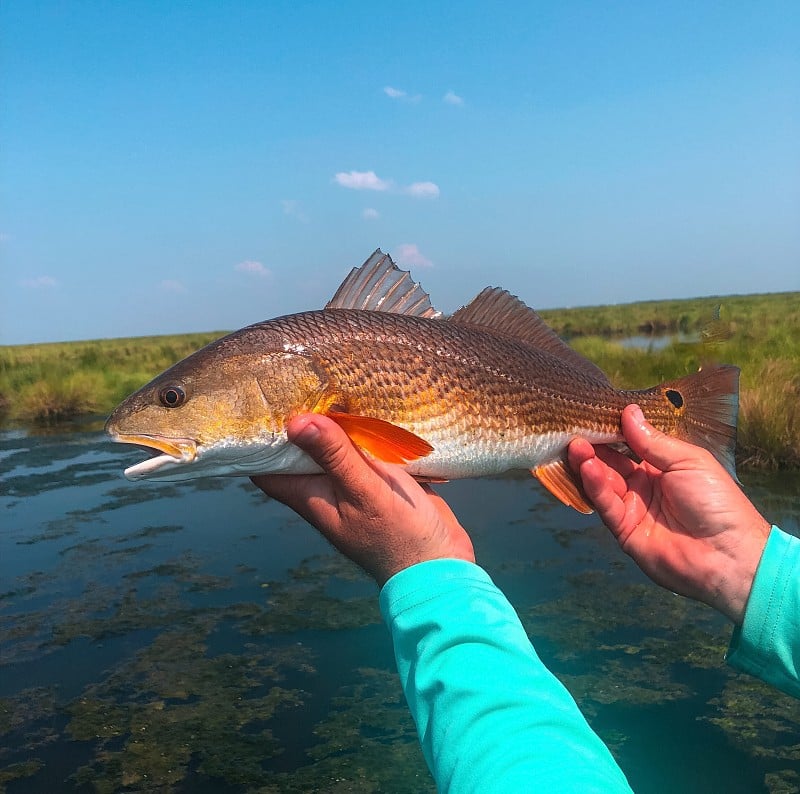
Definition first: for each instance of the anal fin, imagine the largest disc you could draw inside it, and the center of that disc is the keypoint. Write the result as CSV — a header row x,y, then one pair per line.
x,y
383,440
558,478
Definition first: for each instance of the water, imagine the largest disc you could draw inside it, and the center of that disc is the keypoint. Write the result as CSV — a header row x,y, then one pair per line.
x,y
199,637
656,342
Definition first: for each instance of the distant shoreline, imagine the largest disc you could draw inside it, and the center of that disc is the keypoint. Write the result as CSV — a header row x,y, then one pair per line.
x,y
53,382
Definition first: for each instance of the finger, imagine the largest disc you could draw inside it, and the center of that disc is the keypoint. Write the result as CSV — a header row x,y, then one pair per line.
x,y
579,451
606,465
605,489
441,505
287,488
330,447
311,496
662,451
617,460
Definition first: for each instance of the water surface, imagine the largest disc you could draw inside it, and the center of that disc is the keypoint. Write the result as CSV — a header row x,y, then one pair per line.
x,y
196,637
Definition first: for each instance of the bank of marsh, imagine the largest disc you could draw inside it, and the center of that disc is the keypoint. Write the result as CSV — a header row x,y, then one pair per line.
x,y
758,333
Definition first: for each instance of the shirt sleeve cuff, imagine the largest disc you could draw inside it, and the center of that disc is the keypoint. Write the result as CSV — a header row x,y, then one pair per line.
x,y
425,581
763,644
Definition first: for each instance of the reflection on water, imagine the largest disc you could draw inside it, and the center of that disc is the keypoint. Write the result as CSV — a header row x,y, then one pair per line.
x,y
655,342
199,637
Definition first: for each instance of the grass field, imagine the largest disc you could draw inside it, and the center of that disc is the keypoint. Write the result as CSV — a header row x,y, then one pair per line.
x,y
49,383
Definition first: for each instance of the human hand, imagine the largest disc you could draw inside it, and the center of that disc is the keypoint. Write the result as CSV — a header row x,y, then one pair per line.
x,y
678,514
373,512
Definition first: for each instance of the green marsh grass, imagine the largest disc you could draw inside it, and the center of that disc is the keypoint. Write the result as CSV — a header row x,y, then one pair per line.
x,y
57,381
758,333
51,382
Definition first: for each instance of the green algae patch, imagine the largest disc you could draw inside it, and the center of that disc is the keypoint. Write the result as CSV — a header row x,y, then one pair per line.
x,y
761,722
18,771
173,706
366,744
308,600
26,727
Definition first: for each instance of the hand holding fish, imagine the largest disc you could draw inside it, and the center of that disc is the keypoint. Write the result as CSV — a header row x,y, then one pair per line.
x,y
678,514
373,512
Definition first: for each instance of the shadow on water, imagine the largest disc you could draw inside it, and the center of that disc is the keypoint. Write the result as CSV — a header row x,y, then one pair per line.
x,y
199,637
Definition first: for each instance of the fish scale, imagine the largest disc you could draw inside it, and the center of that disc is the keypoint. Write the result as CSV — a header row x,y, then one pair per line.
x,y
487,390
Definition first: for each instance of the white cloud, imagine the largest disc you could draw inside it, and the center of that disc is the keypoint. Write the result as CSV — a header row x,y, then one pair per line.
x,y
409,254
173,285
399,94
423,190
294,209
253,268
361,180
451,98
39,282
370,214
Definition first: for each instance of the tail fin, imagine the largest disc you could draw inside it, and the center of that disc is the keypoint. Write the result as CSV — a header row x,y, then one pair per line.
x,y
706,409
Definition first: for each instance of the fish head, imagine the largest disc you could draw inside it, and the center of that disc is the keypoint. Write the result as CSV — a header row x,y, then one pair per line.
x,y
222,410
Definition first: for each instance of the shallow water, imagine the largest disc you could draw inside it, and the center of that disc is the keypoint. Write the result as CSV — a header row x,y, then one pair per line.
x,y
199,637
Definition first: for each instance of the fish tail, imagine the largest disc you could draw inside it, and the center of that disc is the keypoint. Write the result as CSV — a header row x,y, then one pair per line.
x,y
701,408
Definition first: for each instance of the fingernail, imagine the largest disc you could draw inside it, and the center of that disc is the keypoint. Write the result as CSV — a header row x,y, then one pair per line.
x,y
306,433
636,414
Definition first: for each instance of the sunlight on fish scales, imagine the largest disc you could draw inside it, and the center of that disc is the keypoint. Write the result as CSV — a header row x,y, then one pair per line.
x,y
486,390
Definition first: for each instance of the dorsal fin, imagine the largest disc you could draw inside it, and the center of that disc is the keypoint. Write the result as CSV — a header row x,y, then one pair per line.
x,y
380,286
501,311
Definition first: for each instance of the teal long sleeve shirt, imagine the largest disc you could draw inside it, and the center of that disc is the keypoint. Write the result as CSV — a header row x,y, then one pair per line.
x,y
767,644
492,718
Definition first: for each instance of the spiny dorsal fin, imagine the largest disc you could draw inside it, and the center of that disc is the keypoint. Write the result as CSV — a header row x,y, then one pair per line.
x,y
501,311
380,286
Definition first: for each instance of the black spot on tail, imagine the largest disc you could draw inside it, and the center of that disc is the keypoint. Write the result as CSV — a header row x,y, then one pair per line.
x,y
675,397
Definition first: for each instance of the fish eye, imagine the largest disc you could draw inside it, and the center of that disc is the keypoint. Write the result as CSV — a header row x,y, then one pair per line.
x,y
675,397
172,396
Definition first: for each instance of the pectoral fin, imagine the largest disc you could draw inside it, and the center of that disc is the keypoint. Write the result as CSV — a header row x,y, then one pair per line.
x,y
383,440
558,478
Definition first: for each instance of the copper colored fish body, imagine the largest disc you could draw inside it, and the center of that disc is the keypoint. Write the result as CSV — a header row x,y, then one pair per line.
x,y
487,390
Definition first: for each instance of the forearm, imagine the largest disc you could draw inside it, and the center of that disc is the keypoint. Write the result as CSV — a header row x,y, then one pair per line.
x,y
490,716
767,644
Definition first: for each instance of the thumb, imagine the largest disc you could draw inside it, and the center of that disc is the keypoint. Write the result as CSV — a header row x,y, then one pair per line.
x,y
650,444
326,444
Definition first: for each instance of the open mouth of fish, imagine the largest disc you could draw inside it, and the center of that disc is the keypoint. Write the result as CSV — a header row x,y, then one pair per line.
x,y
173,451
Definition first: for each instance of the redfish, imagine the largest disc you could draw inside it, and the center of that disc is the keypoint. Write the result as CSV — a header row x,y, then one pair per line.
x,y
488,389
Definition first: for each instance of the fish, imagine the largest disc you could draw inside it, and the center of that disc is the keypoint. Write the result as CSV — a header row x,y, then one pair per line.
x,y
486,390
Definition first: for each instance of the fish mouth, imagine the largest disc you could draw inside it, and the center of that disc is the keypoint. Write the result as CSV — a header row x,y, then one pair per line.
x,y
175,452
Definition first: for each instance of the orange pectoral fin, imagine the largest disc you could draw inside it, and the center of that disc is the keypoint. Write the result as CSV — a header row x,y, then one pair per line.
x,y
563,484
383,440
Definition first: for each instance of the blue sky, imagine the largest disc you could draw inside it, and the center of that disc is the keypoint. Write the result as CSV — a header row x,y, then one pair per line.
x,y
174,166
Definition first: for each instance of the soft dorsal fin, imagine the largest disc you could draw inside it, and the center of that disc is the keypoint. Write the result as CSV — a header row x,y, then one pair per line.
x,y
501,311
380,286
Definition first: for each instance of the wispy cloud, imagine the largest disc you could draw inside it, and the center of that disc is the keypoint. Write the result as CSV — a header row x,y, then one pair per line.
x,y
361,180
400,95
39,282
253,268
410,255
423,190
370,214
294,209
451,98
173,285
